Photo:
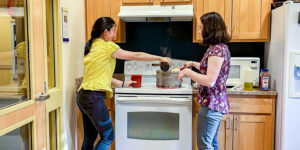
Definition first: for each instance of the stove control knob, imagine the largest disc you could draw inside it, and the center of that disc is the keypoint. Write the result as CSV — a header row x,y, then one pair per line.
x,y
128,66
135,66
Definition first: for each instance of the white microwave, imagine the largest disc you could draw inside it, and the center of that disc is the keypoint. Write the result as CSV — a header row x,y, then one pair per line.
x,y
238,67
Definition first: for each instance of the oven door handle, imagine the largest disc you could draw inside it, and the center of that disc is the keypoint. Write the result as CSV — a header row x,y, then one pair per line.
x,y
164,100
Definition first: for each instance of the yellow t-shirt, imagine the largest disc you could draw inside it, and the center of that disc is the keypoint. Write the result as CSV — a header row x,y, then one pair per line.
x,y
99,67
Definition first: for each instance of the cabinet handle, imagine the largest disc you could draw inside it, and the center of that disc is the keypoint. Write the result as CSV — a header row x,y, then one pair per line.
x,y
236,127
228,123
234,30
228,28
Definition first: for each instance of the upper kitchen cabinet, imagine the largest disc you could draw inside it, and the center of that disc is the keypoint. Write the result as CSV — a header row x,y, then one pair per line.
x,y
251,20
223,7
120,24
104,8
155,2
94,10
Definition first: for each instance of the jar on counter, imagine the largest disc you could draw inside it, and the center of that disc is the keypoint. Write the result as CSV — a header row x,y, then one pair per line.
x,y
264,79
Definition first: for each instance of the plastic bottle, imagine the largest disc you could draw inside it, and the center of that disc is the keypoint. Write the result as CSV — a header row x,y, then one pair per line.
x,y
264,79
248,80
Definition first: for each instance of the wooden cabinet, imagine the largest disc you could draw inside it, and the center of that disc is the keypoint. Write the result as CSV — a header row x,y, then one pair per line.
x,y
250,18
248,126
253,132
225,133
104,8
120,24
223,7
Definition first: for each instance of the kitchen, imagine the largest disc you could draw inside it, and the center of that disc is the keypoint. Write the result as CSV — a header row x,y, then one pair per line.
x,y
257,119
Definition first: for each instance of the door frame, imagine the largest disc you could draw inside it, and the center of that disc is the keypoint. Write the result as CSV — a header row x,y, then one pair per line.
x,y
32,111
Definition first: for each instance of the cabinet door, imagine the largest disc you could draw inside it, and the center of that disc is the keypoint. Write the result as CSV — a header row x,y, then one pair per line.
x,y
225,133
120,24
223,7
251,19
198,12
252,132
137,2
95,9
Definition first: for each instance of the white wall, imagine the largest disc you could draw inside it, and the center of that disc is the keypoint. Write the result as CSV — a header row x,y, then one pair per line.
x,y
72,58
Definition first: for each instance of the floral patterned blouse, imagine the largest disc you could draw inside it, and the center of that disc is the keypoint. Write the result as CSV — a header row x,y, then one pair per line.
x,y
216,98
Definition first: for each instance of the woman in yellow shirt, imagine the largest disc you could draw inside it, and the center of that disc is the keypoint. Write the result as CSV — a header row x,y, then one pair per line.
x,y
99,61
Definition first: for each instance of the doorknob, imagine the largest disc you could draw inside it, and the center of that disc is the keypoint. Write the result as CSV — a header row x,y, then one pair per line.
x,y
42,97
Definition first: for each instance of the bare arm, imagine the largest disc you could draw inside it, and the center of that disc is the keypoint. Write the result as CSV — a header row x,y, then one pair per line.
x,y
119,83
116,82
213,70
140,56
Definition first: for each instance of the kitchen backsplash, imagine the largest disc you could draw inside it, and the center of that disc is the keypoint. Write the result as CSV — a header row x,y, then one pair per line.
x,y
174,39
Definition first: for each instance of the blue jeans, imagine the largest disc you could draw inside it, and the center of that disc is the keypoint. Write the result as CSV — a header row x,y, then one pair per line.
x,y
96,120
208,123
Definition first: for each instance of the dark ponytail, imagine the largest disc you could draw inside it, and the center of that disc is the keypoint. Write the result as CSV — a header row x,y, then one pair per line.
x,y
101,24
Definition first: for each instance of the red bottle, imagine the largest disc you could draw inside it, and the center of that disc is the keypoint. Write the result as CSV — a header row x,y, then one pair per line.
x,y
264,80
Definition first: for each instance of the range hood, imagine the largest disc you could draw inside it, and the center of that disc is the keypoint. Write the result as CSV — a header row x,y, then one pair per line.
x,y
156,13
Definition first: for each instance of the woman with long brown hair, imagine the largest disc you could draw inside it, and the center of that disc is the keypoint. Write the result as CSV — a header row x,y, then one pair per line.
x,y
214,70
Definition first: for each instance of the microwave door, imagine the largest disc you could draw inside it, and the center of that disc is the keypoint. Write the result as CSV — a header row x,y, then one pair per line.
x,y
234,75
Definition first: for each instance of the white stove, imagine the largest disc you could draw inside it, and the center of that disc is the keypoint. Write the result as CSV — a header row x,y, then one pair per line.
x,y
151,118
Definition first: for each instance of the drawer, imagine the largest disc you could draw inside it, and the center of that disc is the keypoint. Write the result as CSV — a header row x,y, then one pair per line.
x,y
245,105
250,105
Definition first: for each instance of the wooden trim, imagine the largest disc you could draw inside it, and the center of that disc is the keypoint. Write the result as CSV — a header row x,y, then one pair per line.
x,y
86,21
16,107
38,45
18,116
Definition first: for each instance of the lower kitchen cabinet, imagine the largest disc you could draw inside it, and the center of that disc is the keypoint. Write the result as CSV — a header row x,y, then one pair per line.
x,y
253,132
244,128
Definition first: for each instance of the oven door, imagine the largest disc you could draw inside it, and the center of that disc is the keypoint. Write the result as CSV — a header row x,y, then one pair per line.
x,y
149,122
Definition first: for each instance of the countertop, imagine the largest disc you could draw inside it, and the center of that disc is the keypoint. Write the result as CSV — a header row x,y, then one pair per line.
x,y
255,91
230,91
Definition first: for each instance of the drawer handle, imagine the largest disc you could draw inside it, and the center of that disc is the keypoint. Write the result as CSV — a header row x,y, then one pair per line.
x,y
235,106
236,127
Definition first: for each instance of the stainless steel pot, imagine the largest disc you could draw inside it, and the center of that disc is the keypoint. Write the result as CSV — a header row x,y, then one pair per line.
x,y
167,79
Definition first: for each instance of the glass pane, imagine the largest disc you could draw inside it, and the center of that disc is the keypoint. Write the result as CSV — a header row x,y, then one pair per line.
x,y
153,125
50,43
14,53
18,139
234,72
53,130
